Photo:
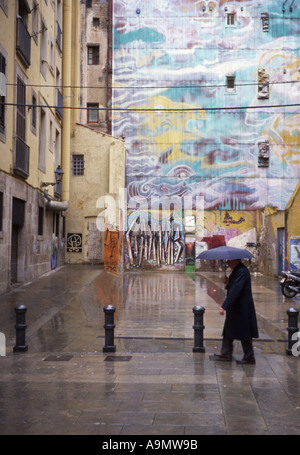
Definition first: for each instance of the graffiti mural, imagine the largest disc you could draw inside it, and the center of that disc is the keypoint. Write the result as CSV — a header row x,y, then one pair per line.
x,y
111,250
206,94
155,243
229,224
294,253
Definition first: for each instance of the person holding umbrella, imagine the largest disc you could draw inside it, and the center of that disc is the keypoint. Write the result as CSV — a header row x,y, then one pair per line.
x,y
240,322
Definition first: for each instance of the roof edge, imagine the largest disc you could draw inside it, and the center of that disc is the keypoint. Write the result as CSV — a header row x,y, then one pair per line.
x,y
98,131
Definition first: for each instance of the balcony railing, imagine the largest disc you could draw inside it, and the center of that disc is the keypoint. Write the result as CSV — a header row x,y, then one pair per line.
x,y
59,104
21,164
23,46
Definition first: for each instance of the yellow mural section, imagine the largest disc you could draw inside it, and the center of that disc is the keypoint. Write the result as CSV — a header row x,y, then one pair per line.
x,y
174,126
230,224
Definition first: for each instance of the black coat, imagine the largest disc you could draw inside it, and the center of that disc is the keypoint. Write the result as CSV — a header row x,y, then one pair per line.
x,y
240,322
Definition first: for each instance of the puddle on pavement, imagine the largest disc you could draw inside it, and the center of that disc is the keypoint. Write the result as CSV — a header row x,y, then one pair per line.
x,y
158,297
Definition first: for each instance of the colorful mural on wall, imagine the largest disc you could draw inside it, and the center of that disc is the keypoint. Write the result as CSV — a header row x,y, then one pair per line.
x,y
154,243
206,94
111,250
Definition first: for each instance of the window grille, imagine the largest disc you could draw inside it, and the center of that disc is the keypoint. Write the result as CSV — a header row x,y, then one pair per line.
x,y
78,165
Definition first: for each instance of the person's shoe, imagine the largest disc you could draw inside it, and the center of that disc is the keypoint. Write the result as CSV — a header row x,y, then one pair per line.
x,y
246,362
222,358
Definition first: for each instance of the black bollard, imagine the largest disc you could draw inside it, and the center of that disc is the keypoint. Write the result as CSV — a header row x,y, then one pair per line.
x,y
198,329
20,329
109,329
292,328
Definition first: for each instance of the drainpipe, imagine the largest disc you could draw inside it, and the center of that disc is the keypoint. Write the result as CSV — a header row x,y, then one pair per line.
x,y
66,130
56,206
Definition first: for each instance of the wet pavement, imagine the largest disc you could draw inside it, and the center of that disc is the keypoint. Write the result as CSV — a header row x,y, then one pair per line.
x,y
154,384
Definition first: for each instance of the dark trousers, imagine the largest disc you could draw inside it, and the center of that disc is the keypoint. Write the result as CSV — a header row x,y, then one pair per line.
x,y
227,348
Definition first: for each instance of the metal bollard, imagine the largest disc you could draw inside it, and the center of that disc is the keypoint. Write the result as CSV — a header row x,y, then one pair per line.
x,y
109,329
198,329
20,329
292,328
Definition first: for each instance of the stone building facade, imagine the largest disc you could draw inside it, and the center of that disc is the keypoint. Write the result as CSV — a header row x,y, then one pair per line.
x,y
96,64
32,204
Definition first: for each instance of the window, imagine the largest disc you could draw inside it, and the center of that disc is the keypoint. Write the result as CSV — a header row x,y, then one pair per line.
x,y
55,224
78,165
59,14
57,146
42,140
35,21
41,221
4,6
64,227
59,97
265,21
96,22
93,55
230,83
263,84
2,92
33,112
22,150
230,19
24,11
18,212
44,49
263,153
21,110
92,112
51,56
51,135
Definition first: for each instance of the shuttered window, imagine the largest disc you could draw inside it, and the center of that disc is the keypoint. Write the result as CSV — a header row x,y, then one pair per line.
x,y
21,110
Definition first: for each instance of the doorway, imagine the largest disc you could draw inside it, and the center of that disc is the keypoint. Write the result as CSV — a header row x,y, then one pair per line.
x,y
18,216
280,250
14,254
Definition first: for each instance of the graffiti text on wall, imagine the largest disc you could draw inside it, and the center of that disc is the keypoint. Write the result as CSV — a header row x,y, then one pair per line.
x,y
161,246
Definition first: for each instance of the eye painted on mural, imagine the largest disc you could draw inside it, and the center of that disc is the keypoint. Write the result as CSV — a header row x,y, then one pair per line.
x,y
207,6
182,172
202,5
212,7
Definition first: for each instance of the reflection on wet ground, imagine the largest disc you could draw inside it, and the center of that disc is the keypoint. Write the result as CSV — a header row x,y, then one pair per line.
x,y
156,384
66,314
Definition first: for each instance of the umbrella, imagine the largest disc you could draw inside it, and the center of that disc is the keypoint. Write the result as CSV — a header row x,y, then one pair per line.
x,y
225,252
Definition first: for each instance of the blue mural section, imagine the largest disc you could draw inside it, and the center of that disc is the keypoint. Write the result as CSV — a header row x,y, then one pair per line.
x,y
207,96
